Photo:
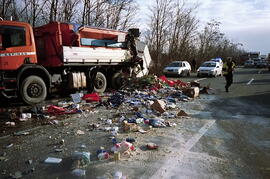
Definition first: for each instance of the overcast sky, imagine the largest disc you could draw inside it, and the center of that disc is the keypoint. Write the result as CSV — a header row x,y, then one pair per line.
x,y
243,21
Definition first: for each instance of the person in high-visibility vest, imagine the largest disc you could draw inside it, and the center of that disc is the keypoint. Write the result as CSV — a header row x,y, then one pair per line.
x,y
227,69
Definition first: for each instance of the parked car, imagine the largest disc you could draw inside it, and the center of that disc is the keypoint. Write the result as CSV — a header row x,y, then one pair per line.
x,y
262,64
210,68
249,63
256,60
177,68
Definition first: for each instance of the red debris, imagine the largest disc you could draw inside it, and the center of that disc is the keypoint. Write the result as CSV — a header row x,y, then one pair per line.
x,y
91,97
55,110
173,83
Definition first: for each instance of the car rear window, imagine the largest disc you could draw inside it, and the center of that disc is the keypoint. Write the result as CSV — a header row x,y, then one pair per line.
x,y
175,64
208,65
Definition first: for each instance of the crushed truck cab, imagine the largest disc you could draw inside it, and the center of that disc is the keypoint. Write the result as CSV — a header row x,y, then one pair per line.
x,y
61,56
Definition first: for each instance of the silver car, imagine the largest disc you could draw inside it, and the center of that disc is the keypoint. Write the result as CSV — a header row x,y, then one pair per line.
x,y
249,63
177,68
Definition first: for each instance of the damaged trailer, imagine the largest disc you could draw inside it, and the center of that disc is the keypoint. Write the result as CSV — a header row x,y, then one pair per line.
x,y
61,56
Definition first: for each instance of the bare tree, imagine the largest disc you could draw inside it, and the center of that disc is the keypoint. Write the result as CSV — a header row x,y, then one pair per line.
x,y
183,29
116,14
8,9
53,10
173,35
68,10
209,39
157,35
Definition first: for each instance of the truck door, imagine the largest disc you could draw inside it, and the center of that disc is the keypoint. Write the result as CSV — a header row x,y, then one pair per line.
x,y
16,49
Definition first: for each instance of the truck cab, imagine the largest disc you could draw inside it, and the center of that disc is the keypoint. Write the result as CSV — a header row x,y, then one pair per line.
x,y
19,73
17,45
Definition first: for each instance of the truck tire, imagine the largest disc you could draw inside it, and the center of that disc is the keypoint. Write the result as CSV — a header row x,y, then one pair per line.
x,y
100,83
33,90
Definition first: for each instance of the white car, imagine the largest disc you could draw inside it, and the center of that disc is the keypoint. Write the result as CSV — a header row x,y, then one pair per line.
x,y
249,63
210,68
177,68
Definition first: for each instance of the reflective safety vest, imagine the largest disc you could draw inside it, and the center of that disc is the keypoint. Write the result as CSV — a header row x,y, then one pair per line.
x,y
227,67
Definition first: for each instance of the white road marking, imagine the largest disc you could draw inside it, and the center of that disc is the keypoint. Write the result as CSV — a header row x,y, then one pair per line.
x,y
191,142
178,154
259,72
250,81
200,79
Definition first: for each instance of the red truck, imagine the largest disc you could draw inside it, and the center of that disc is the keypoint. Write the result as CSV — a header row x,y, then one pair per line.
x,y
61,56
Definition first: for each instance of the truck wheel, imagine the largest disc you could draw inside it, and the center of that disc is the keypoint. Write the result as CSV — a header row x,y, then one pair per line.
x,y
100,83
33,90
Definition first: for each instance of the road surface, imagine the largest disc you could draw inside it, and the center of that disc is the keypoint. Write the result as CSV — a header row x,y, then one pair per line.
x,y
235,143
227,136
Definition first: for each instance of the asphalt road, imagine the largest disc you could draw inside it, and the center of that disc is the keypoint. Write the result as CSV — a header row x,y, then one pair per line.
x,y
234,142
226,136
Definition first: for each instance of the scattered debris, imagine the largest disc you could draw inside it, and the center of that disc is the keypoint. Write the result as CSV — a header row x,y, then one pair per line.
x,y
130,127
21,133
54,122
152,146
76,98
29,162
62,142
53,160
13,116
159,105
152,105
80,132
157,122
80,160
118,175
10,123
58,150
192,92
102,154
91,97
130,140
195,84
17,174
78,172
182,113
116,156
9,145
26,116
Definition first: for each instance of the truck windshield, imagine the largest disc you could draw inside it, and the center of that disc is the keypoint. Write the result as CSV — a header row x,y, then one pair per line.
x,y
12,36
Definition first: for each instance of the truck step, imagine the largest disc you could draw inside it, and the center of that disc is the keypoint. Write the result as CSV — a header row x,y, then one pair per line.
x,y
10,92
